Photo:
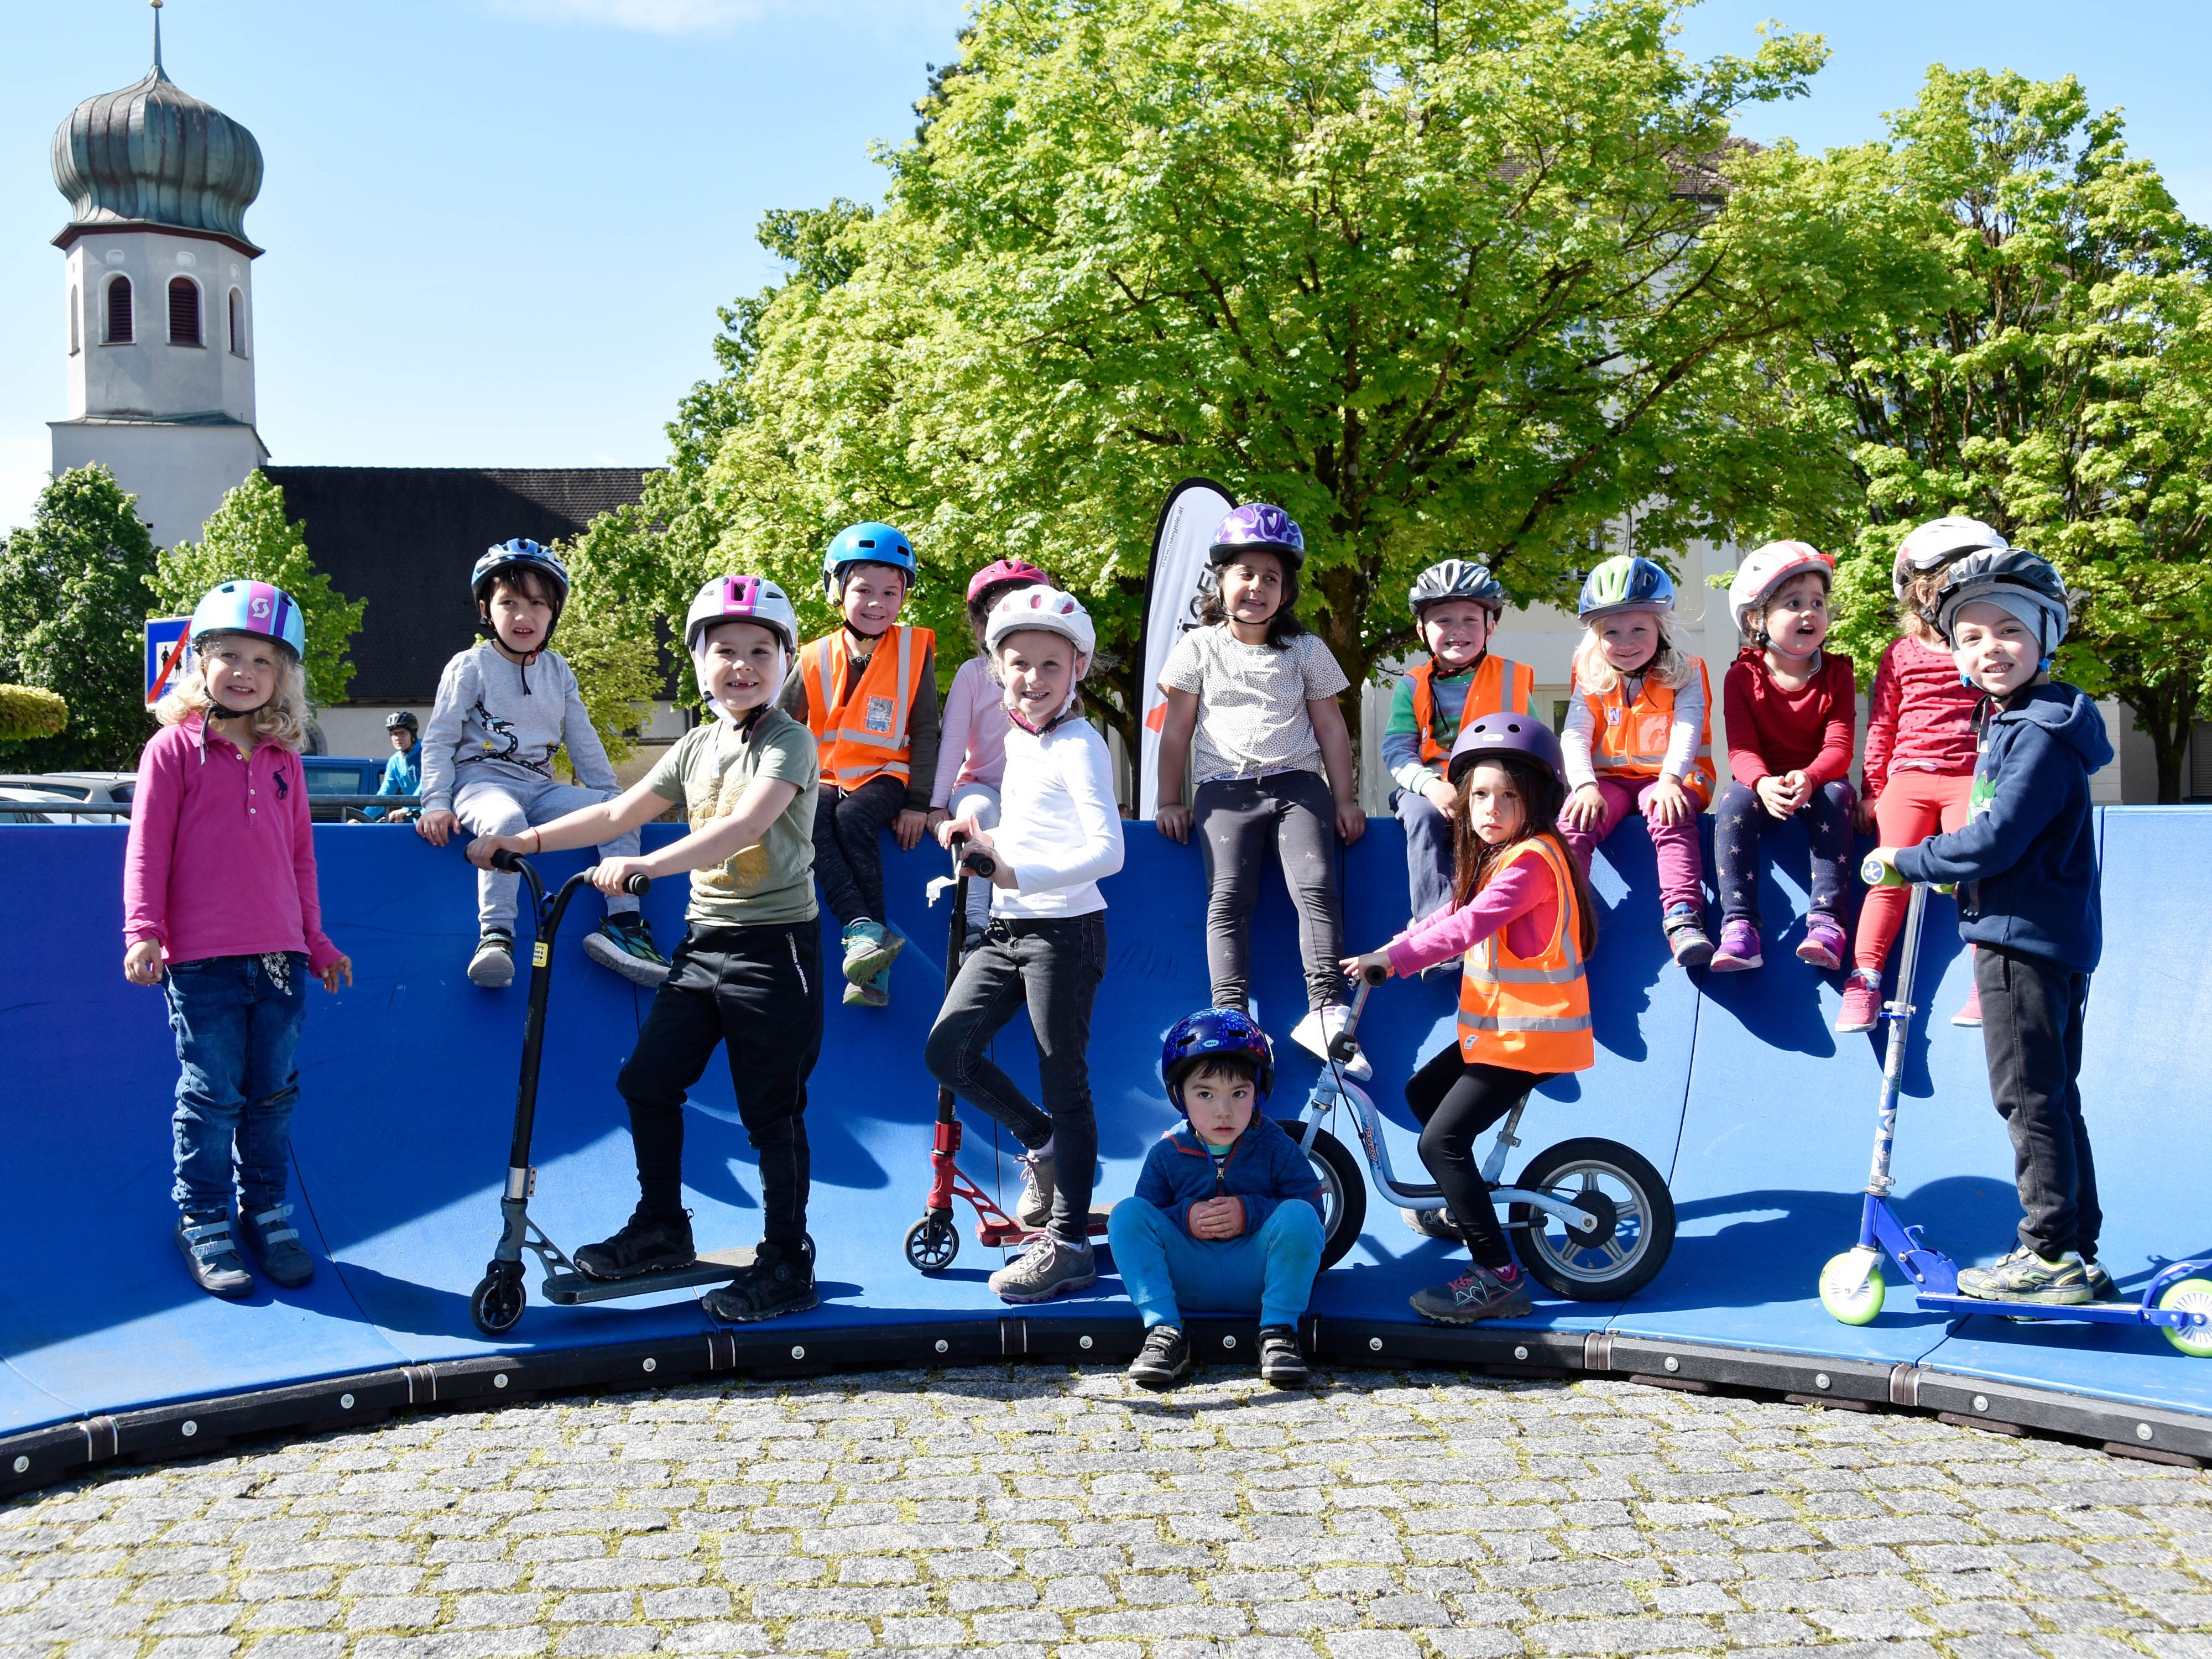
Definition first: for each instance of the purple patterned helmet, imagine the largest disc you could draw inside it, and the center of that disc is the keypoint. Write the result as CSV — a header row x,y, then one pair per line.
x,y
1258,526
1208,1035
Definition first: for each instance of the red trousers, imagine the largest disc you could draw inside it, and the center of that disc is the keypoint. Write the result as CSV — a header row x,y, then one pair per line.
x,y
1912,806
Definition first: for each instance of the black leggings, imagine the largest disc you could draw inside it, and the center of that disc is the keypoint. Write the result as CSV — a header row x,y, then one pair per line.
x,y
1236,818
1455,1100
849,860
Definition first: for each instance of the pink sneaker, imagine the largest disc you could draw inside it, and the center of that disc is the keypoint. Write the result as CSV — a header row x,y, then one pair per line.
x,y
1862,1004
1970,1012
1740,948
1823,943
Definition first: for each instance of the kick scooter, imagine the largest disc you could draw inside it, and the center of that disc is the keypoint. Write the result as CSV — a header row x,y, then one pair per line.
x,y
2177,1301
1591,1218
932,1242
495,1306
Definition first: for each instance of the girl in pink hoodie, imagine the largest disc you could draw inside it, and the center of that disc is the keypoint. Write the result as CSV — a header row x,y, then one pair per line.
x,y
219,901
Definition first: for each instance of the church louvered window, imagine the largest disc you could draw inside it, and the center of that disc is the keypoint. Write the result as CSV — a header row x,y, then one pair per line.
x,y
119,329
184,310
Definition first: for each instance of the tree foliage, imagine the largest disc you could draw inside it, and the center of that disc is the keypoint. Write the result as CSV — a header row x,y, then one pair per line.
x,y
72,601
248,536
27,712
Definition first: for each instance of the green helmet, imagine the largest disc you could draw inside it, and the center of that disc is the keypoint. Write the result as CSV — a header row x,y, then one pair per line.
x,y
1626,582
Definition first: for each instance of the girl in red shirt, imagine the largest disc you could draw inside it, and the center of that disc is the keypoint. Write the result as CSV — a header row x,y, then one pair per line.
x,y
1792,708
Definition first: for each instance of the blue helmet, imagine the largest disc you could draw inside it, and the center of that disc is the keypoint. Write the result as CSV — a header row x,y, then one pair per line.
x,y
1626,582
251,607
1258,526
521,554
868,543
1209,1036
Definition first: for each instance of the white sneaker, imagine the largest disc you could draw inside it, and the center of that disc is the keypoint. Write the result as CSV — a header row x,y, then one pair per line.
x,y
1323,1026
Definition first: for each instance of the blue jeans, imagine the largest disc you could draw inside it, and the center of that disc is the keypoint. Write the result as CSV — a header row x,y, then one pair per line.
x,y
237,1021
1428,852
1162,1266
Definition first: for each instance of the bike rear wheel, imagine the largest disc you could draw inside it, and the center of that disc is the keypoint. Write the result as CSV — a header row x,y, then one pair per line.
x,y
1633,1210
1343,1192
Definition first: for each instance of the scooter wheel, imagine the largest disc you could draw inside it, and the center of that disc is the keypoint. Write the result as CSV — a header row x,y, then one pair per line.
x,y
1343,1194
2195,1294
1851,1288
931,1244
1625,1197
495,1306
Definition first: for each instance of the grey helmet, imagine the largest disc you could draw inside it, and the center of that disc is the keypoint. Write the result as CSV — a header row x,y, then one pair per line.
x,y
2022,582
1936,544
1457,579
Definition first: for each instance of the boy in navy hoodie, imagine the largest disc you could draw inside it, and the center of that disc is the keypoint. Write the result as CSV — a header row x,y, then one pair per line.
x,y
2025,864
1227,1211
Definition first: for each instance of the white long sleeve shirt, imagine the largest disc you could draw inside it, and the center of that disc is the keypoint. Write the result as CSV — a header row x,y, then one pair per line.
x,y
1060,826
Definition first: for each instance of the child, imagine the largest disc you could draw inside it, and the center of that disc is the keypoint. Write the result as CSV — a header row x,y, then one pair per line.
x,y
402,773
2025,863
1455,608
868,692
1252,712
1227,1214
748,974
1920,747
1522,920
503,708
1791,710
973,759
1059,836
219,887
1639,738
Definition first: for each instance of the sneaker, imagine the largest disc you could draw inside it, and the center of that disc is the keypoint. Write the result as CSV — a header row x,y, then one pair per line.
x,y
1033,1209
623,944
1861,1005
870,949
1969,1012
493,965
1823,943
2101,1287
873,993
1434,1224
2024,1276
1321,1027
779,1281
1479,1293
649,1243
1164,1361
1686,936
1280,1361
1739,949
276,1245
1050,1265
211,1257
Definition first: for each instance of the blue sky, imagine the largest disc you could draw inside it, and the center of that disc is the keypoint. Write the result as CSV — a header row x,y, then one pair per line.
x,y
497,230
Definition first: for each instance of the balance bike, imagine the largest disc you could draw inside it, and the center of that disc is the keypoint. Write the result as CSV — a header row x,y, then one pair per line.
x,y
2177,1301
1591,1218
932,1242
495,1306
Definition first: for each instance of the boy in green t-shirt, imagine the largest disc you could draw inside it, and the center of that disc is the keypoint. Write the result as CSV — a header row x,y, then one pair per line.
x,y
747,975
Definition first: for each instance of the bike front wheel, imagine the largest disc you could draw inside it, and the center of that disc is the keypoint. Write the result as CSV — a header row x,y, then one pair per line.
x,y
1628,1201
1343,1193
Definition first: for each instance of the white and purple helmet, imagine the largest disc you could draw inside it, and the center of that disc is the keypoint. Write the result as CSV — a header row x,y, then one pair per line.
x,y
1257,527
249,607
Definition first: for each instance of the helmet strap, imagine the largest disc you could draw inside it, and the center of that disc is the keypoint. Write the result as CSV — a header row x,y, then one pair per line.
x,y
224,712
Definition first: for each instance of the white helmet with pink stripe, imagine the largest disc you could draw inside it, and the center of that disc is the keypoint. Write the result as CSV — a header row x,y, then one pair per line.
x,y
1045,609
741,598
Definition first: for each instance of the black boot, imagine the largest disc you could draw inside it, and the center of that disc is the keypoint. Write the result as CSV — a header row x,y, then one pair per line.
x,y
779,1281
649,1243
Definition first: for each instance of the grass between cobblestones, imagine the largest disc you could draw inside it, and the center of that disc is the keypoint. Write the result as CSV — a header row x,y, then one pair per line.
x,y
1028,1512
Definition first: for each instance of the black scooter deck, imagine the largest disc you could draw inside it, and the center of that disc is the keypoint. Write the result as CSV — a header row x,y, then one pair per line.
x,y
709,1267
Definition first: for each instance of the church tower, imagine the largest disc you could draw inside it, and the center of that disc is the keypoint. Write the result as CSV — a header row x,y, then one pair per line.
x,y
159,282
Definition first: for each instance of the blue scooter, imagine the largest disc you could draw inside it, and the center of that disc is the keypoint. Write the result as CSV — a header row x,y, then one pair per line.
x,y
2177,1301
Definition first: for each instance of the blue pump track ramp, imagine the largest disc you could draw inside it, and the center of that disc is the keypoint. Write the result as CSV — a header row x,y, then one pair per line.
x,y
1736,1088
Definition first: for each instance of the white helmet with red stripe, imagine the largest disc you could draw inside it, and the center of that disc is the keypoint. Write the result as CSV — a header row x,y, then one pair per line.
x,y
1759,577
1048,611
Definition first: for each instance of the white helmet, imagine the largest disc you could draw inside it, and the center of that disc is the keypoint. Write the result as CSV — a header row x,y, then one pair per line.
x,y
741,598
1932,545
1046,610
1763,571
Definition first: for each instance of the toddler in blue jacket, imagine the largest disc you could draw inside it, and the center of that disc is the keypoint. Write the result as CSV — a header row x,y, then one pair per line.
x,y
1227,1214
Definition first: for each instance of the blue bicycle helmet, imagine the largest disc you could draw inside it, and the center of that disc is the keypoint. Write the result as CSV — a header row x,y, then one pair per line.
x,y
868,543
1257,526
251,607
1626,582
1209,1035
521,554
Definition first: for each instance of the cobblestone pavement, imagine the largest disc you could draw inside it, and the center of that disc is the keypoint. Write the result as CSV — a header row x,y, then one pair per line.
x,y
1032,1511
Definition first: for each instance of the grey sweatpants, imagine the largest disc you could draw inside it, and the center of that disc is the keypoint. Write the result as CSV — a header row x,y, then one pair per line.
x,y
507,807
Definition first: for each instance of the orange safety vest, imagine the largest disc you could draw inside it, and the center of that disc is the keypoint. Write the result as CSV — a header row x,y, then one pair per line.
x,y
1532,1013
863,735
1630,739
1484,697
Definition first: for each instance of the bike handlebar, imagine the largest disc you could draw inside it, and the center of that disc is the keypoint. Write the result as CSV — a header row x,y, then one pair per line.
x,y
637,884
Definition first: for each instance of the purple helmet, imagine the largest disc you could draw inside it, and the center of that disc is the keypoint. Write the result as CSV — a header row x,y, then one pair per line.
x,y
1259,527
1209,1036
1490,735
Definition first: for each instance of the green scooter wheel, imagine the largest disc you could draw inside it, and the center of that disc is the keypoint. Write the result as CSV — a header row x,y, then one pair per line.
x,y
1851,1288
2195,1294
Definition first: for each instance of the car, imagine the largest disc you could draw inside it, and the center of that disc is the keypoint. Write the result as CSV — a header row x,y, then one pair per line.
x,y
94,789
340,774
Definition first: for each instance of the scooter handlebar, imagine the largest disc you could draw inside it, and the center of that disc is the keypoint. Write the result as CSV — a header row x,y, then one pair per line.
x,y
509,861
1375,974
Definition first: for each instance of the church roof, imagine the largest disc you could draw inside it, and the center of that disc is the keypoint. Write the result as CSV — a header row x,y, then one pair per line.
x,y
153,154
405,538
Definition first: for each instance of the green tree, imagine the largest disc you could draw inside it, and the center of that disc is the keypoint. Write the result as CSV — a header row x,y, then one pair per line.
x,y
71,603
249,535
26,712
618,668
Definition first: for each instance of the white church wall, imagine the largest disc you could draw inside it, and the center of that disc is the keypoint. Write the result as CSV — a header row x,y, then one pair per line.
x,y
178,473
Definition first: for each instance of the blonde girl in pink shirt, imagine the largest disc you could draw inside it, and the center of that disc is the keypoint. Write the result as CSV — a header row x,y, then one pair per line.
x,y
220,909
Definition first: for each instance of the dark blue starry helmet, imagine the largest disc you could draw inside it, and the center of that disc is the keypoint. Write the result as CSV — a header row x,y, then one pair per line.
x,y
1213,1035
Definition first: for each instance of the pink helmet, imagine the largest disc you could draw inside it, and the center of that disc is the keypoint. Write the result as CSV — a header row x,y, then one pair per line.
x,y
1764,570
1004,570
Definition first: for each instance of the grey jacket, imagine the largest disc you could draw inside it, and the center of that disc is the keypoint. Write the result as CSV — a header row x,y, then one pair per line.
x,y
495,718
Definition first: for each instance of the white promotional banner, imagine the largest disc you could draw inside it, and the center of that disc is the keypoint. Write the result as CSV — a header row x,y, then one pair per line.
x,y
1194,510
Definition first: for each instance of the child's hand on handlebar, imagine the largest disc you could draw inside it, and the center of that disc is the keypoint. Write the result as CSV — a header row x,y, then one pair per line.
x,y
608,875
962,828
1880,869
479,851
1374,963
436,827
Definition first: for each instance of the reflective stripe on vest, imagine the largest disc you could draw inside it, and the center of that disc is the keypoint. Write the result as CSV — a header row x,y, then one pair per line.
x,y
1630,739
1484,697
864,736
1530,1012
